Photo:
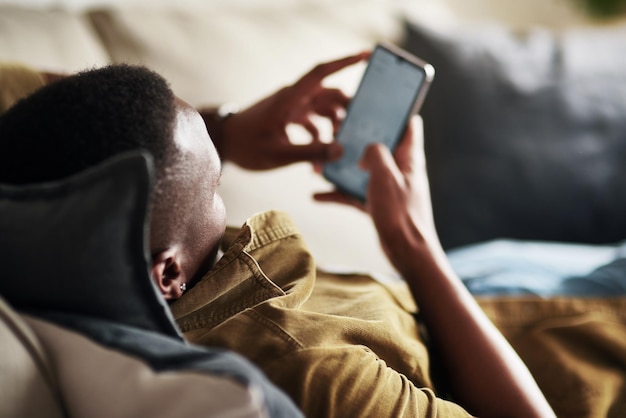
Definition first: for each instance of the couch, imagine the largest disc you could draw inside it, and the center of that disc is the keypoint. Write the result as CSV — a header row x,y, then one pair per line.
x,y
525,130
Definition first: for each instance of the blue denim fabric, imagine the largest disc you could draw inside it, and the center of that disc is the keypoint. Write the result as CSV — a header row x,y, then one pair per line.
x,y
545,269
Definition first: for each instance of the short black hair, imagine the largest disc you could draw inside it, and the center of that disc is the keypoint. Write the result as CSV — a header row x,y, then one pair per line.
x,y
84,119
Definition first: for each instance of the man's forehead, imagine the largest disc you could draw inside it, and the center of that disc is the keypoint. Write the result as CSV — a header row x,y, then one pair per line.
x,y
189,131
191,135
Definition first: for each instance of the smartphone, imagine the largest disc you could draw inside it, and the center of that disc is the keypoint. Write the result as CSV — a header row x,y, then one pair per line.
x,y
392,89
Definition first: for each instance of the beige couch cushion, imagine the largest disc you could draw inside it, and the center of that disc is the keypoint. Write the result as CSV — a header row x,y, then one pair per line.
x,y
52,40
231,52
97,382
25,375
17,81
41,363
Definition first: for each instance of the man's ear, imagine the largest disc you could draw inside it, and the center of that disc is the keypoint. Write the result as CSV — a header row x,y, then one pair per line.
x,y
168,274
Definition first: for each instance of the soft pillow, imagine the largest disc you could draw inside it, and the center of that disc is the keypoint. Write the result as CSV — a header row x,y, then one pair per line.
x,y
228,51
526,133
26,377
100,382
78,245
49,39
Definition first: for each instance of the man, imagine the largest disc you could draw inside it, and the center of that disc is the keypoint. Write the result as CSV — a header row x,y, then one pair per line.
x,y
339,346
72,228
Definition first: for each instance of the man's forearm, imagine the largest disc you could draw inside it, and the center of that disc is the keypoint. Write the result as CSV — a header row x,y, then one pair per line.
x,y
486,375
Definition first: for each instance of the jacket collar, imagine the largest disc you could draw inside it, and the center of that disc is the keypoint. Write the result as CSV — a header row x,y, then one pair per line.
x,y
265,259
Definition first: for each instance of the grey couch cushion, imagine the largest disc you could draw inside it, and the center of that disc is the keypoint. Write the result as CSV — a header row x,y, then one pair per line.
x,y
77,245
526,134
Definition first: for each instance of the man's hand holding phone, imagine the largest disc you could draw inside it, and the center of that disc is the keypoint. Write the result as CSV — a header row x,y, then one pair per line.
x,y
397,181
392,89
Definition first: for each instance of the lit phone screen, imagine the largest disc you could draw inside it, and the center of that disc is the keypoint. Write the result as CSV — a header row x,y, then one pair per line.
x,y
378,112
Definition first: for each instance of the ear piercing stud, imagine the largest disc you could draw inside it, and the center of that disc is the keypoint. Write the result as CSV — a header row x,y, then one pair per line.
x,y
183,287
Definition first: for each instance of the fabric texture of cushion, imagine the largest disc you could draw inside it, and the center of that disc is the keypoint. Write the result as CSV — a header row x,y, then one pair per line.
x,y
78,245
526,133
26,372
233,53
17,81
52,40
102,382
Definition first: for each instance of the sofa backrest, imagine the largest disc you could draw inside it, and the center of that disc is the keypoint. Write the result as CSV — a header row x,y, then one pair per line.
x,y
49,39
